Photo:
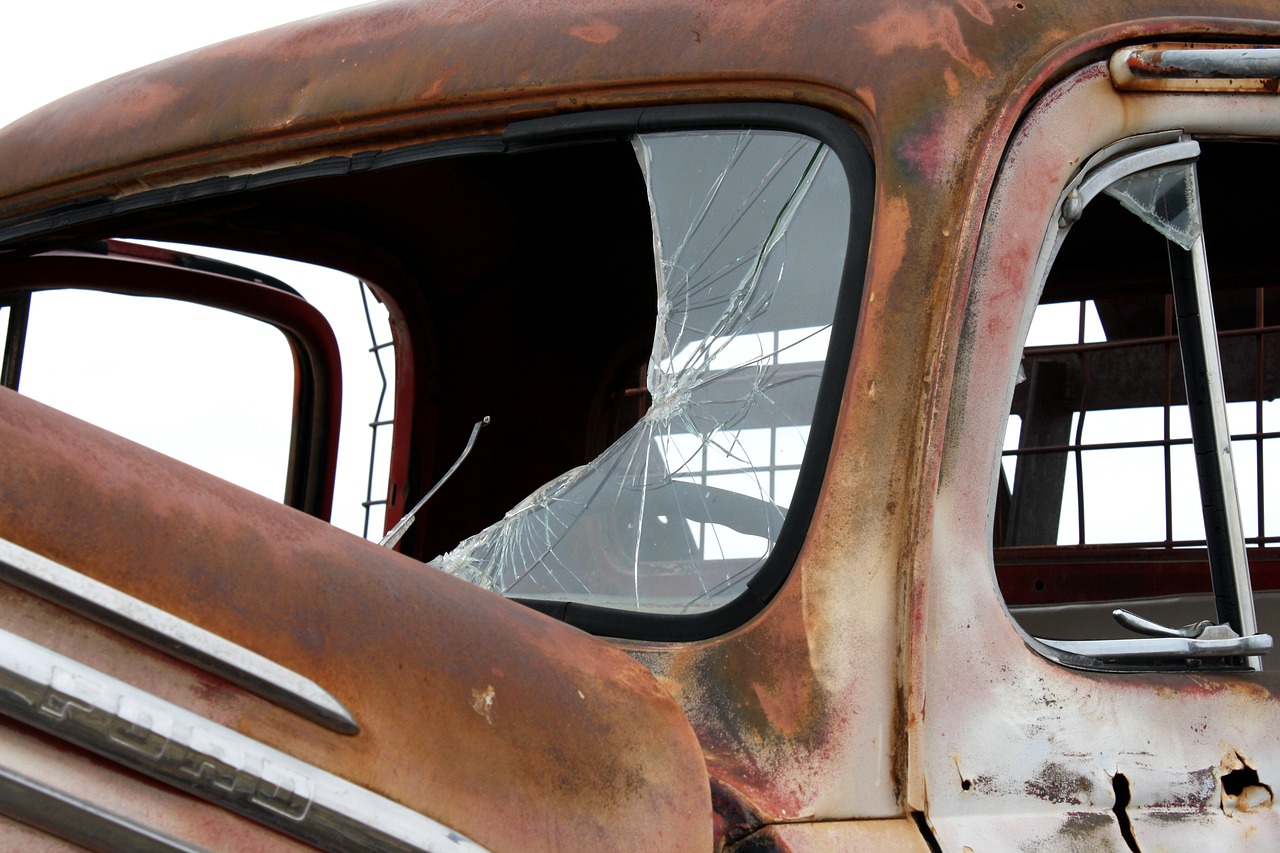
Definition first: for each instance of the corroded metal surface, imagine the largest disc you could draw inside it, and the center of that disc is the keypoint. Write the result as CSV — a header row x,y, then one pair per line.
x,y
405,69
1008,745
856,836
516,730
806,711
131,617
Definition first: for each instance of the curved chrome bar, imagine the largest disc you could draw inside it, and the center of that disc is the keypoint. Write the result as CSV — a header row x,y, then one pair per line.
x,y
187,642
77,703
72,819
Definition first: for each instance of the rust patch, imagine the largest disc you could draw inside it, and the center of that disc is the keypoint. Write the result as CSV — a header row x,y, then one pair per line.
x,y
597,31
893,230
733,817
1087,827
759,715
1057,784
952,83
1242,790
922,28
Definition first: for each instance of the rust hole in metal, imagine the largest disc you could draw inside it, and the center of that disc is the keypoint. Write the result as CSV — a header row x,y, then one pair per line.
x,y
734,818
1120,784
1242,790
1236,781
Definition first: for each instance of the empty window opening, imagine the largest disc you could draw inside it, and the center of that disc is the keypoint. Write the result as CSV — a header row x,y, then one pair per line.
x,y
205,386
203,355
361,326
1100,500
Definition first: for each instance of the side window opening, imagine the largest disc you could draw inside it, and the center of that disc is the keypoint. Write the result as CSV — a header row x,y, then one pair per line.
x,y
361,327
646,317
1103,503
208,387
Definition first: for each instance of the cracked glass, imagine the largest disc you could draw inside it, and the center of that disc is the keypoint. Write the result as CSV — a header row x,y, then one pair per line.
x,y
1164,198
676,516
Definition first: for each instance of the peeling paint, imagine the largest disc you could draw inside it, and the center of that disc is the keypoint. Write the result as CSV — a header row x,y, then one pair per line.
x,y
1242,790
1057,783
928,26
482,703
597,31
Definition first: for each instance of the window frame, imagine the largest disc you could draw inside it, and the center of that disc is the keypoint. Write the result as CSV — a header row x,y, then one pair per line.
x,y
132,269
1228,564
856,159
1221,123
841,137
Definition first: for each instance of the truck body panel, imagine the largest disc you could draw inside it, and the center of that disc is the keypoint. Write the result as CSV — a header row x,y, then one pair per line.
x,y
882,695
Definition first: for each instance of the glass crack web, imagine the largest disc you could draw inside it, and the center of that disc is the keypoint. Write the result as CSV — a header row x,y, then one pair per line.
x,y
682,510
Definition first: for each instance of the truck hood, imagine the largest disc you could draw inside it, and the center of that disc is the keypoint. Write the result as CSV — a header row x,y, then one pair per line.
x,y
516,730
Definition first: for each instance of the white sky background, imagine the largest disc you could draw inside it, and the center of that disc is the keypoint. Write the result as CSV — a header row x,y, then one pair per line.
x,y
50,49
54,47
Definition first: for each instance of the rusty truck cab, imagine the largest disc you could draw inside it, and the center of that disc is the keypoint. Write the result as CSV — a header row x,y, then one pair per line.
x,y
869,416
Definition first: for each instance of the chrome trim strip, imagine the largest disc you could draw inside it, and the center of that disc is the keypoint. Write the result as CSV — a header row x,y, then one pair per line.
x,y
72,819
1178,67
166,632
75,702
1208,62
1163,648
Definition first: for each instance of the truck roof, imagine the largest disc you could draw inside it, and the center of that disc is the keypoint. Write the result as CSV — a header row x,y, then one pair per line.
x,y
933,77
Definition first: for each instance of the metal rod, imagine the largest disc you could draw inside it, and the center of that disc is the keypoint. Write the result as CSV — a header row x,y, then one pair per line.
x,y
1228,561
393,536
15,342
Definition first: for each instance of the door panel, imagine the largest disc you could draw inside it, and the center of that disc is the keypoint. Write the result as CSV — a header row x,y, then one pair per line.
x,y
1021,746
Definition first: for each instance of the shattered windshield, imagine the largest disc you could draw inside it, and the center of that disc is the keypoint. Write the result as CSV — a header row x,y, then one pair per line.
x,y
750,231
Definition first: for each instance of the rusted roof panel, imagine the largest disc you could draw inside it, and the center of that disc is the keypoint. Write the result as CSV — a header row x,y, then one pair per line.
x,y
369,76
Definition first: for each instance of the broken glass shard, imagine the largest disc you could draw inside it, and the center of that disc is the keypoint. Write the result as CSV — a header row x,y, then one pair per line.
x,y
750,230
